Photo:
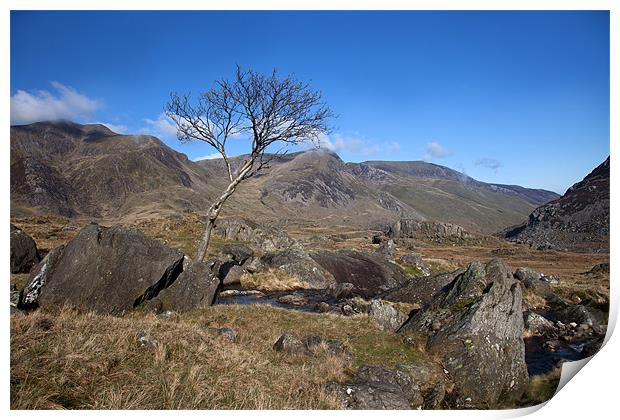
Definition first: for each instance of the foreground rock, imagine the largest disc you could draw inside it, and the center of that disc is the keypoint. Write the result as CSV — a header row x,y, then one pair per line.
x,y
310,346
377,388
24,252
108,270
195,287
370,274
475,326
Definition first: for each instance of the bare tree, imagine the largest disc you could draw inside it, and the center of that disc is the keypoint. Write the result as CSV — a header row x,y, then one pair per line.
x,y
273,112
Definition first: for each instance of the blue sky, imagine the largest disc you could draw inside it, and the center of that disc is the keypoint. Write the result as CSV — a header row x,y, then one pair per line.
x,y
510,97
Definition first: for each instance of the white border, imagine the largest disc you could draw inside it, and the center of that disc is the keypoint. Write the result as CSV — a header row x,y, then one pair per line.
x,y
593,394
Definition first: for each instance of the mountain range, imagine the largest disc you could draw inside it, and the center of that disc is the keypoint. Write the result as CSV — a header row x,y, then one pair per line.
x,y
89,171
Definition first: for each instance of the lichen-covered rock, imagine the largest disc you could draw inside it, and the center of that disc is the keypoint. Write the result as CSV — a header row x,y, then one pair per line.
x,y
538,325
107,270
386,316
475,325
24,252
237,252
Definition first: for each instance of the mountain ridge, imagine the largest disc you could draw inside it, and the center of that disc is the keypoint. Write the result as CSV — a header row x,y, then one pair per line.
x,y
88,170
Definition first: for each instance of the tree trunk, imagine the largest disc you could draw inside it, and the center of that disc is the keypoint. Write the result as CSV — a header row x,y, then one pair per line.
x,y
204,242
214,211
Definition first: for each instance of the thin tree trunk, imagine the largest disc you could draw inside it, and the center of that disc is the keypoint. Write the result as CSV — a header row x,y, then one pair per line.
x,y
204,242
216,208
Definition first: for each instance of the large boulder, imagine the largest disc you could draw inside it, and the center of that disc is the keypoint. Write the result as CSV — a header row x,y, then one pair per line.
x,y
298,263
24,252
369,273
107,270
475,326
420,290
195,287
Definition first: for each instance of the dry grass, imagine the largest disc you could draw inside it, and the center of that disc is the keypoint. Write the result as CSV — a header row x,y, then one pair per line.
x,y
272,280
83,360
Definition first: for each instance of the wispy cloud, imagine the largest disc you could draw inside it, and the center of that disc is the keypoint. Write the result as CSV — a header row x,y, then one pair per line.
x,y
435,150
489,163
356,145
117,128
40,105
162,127
211,156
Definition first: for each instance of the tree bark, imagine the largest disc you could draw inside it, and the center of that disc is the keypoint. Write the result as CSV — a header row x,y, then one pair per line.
x,y
216,208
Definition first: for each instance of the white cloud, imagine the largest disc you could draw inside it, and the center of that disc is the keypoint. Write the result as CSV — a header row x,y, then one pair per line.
x,y
162,127
356,145
435,150
489,163
117,128
211,156
42,105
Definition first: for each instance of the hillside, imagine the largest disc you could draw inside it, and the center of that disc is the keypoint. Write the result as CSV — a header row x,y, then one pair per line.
x,y
89,171
72,169
577,221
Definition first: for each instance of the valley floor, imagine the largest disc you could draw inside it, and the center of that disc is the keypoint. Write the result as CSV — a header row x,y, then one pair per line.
x,y
72,359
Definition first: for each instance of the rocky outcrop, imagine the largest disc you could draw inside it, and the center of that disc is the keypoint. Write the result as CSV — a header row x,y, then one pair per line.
x,y
107,270
475,326
429,231
266,238
24,252
370,274
310,345
577,221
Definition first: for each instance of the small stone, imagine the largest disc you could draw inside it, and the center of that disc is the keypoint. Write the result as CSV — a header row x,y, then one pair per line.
x,y
228,333
323,307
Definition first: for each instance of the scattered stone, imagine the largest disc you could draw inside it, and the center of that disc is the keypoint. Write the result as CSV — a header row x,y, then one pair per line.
x,y
228,333
341,290
24,252
253,265
387,249
416,261
145,341
292,300
538,325
377,388
386,316
323,307
234,275
168,315
233,292
290,344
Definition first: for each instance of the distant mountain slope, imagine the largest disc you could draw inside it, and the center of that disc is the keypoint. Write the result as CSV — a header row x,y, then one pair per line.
x,y
88,170
318,185
74,169
578,221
